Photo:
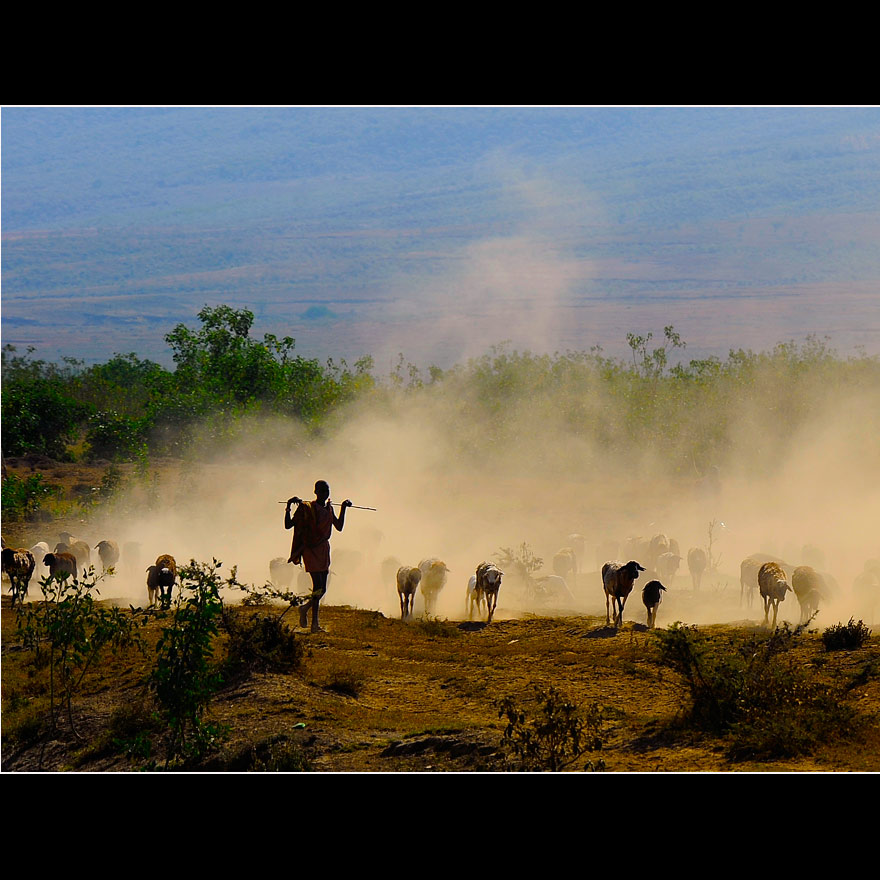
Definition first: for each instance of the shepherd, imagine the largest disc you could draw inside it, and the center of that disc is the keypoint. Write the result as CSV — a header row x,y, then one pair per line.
x,y
312,524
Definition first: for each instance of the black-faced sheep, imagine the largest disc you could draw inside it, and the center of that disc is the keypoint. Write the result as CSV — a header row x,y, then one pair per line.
x,y
407,583
697,564
617,581
160,580
487,585
108,551
773,586
61,564
651,596
19,566
434,574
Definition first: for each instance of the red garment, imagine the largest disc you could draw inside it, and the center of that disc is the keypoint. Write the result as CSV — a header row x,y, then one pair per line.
x,y
316,552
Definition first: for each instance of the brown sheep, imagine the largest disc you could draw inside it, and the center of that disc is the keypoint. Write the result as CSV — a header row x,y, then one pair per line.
x,y
407,583
80,550
697,563
434,574
19,566
748,574
773,586
61,564
651,596
108,551
617,581
810,587
160,580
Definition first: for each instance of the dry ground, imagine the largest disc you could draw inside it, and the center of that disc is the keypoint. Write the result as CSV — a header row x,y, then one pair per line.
x,y
378,694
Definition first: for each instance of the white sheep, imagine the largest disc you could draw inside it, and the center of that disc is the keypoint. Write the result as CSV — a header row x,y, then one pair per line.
x,y
407,583
434,575
651,597
39,550
773,586
697,564
488,582
473,600
617,581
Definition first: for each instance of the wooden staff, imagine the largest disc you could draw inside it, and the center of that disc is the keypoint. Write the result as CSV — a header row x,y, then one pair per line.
x,y
337,504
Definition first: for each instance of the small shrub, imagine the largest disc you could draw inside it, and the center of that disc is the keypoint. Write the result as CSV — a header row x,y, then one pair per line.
x,y
558,733
433,626
259,643
279,756
347,681
757,695
846,636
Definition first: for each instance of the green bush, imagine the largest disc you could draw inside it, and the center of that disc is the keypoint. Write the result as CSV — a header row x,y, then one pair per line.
x,y
259,643
23,496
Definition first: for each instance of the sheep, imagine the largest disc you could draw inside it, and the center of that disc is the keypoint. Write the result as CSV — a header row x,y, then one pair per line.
x,y
39,550
617,581
651,596
434,573
19,566
748,574
61,564
407,583
667,566
773,586
658,545
108,551
79,549
809,587
473,599
282,572
160,580
697,563
488,583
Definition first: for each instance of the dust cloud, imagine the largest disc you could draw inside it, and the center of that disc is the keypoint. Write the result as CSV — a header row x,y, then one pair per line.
x,y
449,480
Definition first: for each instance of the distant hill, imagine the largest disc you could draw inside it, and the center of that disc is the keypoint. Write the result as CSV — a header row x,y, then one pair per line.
x,y
119,222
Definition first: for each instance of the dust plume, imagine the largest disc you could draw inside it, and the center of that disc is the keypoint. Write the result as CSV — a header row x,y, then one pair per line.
x,y
458,477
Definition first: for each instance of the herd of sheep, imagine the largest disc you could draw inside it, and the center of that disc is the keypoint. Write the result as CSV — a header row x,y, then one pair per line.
x,y
658,557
